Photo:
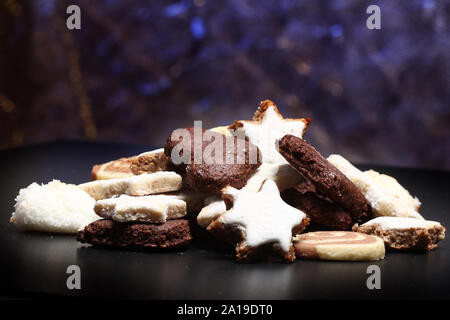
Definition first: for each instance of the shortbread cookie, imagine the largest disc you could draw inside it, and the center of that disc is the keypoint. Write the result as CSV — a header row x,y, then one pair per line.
x,y
141,185
116,169
267,127
384,194
195,200
109,233
326,178
284,175
324,213
150,162
214,208
259,223
149,209
54,207
338,245
407,234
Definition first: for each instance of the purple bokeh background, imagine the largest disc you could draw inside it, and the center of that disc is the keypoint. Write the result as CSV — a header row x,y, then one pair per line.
x,y
139,69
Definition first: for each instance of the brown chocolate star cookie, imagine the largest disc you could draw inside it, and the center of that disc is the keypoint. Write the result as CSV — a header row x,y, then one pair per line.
x,y
326,178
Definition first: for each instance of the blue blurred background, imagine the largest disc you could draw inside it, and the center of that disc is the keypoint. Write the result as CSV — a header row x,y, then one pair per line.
x,y
139,69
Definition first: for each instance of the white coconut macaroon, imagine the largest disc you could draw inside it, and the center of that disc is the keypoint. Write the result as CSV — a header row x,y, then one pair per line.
x,y
55,207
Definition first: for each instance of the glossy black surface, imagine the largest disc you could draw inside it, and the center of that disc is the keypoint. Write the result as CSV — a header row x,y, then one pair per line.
x,y
37,263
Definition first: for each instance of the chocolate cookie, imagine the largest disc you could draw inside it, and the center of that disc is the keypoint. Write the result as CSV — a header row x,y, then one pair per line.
x,y
324,213
175,138
326,178
238,161
109,233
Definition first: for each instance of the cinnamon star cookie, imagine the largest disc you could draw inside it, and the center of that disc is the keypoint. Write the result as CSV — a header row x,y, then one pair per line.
x,y
259,223
267,127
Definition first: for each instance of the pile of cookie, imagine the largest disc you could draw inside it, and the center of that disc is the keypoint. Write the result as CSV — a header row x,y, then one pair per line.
x,y
259,186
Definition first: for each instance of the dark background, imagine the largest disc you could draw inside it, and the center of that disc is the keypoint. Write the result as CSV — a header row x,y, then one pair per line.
x,y
138,69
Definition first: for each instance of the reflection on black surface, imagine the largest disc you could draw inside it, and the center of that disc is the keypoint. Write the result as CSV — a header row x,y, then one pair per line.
x,y
36,262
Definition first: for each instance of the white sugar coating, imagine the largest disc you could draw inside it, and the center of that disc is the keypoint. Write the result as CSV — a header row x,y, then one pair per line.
x,y
383,195
284,175
390,185
153,208
401,223
54,207
265,135
263,216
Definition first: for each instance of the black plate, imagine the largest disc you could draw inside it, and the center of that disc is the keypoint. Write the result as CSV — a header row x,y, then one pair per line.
x,y
37,263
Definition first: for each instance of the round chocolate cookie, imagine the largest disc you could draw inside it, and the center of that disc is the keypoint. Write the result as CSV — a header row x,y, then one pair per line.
x,y
224,161
234,168
185,137
109,233
326,178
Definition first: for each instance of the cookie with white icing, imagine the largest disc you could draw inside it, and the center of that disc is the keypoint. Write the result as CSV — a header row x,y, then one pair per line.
x,y
405,234
267,127
384,194
260,224
148,209
284,175
140,185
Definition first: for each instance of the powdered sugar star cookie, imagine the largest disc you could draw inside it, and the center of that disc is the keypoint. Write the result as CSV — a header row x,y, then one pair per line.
x,y
259,221
267,127
284,175
384,194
